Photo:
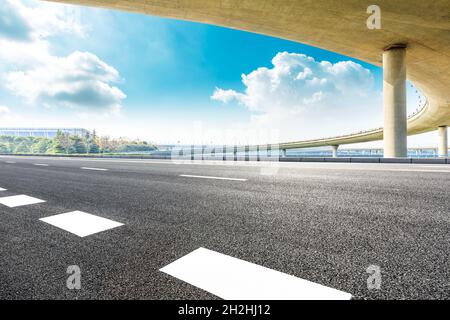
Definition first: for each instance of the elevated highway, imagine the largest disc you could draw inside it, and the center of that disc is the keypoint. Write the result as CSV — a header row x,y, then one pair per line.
x,y
421,27
362,136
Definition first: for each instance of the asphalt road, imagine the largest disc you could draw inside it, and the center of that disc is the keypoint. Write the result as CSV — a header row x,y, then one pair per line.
x,y
322,222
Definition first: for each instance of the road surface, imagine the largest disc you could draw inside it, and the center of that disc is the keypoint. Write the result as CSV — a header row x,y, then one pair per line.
x,y
321,222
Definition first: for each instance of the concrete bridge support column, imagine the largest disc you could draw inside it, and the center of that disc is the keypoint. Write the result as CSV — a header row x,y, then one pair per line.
x,y
443,142
334,150
394,100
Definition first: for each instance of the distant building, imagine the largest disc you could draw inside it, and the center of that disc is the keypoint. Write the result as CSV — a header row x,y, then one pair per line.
x,y
41,132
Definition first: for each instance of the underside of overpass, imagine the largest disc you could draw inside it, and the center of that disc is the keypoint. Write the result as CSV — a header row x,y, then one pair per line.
x,y
423,27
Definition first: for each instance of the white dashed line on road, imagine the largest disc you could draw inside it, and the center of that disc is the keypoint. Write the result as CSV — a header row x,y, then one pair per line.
x,y
96,169
20,200
81,223
41,164
3,189
10,162
231,278
434,167
211,177
413,170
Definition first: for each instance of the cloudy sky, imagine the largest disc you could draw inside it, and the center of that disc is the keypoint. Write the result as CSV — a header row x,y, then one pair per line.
x,y
172,81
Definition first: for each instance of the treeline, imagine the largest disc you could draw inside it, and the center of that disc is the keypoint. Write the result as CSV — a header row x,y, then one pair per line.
x,y
64,143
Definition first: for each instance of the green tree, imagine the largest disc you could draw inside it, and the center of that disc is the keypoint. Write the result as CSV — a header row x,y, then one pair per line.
x,y
59,144
94,148
7,139
77,145
41,145
90,140
64,143
4,148
135,147
22,148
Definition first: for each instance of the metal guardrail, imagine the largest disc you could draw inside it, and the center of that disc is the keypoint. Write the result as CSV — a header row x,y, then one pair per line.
x,y
259,159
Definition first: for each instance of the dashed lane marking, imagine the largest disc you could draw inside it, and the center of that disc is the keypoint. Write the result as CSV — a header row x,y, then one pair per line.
x,y
96,169
231,278
211,177
81,223
19,200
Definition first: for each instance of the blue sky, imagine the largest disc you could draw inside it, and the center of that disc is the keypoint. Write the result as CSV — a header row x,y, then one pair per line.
x,y
173,81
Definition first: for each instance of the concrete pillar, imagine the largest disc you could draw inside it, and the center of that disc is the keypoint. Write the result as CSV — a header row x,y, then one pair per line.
x,y
443,142
394,99
334,150
283,153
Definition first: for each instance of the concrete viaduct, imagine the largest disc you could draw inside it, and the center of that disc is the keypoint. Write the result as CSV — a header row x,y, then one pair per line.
x,y
413,43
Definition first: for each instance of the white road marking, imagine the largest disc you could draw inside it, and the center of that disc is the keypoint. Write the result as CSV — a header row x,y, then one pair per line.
x,y
211,177
10,161
20,200
81,223
231,278
41,164
3,189
435,166
97,169
412,170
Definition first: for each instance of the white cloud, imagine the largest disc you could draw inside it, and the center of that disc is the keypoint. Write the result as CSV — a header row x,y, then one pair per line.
x,y
24,29
226,95
303,98
27,20
13,24
4,109
79,81
297,81
5,115
19,54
